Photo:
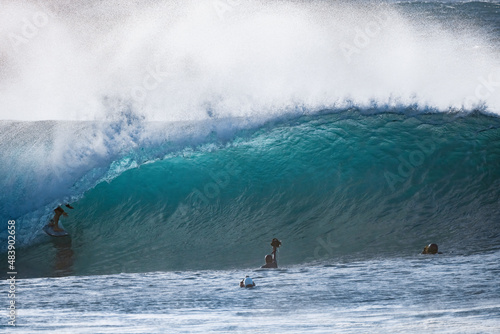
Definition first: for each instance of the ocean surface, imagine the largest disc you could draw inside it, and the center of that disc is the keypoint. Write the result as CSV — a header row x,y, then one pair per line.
x,y
187,135
413,294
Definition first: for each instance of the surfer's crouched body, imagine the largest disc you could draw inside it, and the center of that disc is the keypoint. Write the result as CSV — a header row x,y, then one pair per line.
x,y
247,283
58,212
431,249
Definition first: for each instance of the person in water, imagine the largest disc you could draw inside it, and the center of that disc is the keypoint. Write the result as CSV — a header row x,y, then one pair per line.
x,y
58,212
431,249
247,282
271,258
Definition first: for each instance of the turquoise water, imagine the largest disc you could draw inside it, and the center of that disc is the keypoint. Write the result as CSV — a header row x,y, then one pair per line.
x,y
362,184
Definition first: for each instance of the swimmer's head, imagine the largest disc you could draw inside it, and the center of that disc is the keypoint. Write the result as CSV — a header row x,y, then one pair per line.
x,y
269,258
432,249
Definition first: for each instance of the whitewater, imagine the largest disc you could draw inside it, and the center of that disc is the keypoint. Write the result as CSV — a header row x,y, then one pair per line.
x,y
188,134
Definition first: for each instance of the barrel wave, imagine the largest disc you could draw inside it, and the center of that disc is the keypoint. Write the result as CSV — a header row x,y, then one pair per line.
x,y
188,134
332,185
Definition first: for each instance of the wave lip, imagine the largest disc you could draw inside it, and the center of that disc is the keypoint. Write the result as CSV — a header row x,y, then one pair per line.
x,y
183,62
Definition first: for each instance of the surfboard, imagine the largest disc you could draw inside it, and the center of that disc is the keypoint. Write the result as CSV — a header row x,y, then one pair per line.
x,y
50,231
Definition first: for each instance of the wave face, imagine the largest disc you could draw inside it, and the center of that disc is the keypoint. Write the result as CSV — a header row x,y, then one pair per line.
x,y
329,185
345,129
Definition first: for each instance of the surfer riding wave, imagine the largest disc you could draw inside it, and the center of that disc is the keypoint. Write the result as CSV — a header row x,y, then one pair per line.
x,y
58,212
